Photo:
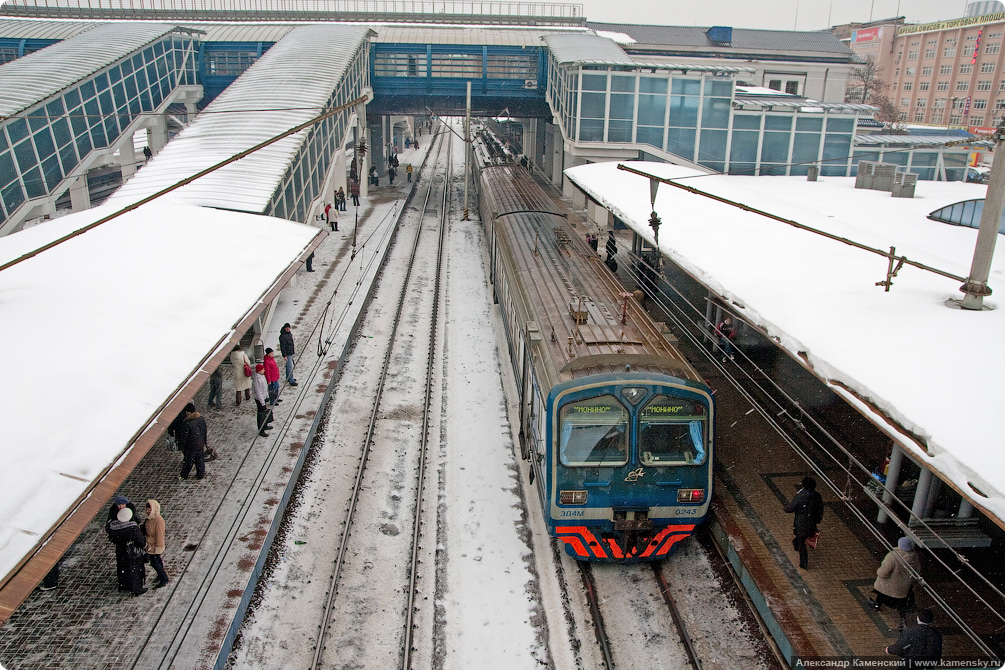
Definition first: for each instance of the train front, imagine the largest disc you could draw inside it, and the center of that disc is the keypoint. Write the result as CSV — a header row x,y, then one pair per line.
x,y
630,464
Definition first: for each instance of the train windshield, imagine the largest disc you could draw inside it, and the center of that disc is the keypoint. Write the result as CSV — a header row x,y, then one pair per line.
x,y
594,433
672,432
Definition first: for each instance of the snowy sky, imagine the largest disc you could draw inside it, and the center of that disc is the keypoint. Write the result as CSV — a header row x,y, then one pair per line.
x,y
921,361
104,332
773,14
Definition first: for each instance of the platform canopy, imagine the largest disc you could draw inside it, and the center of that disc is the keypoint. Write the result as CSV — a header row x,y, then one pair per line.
x,y
110,333
926,372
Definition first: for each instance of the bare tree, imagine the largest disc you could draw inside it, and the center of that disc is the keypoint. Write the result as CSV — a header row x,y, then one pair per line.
x,y
865,83
887,113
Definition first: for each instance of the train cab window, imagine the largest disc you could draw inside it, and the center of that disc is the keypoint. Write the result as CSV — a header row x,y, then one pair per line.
x,y
672,432
594,433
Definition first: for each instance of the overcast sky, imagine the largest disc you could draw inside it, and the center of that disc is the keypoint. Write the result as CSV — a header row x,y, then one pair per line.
x,y
768,14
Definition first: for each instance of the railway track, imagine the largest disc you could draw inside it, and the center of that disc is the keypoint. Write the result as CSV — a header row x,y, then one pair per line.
x,y
399,421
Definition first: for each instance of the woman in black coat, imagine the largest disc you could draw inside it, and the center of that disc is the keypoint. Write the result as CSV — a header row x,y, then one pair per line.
x,y
131,572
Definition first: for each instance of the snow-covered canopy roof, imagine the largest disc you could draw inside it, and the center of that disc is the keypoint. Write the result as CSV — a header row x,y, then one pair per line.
x,y
111,329
287,86
918,360
33,78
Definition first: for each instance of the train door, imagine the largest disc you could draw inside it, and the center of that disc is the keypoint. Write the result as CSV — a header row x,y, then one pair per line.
x,y
539,432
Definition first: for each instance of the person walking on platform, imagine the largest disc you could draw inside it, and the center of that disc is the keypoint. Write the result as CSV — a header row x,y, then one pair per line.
x,y
260,390
612,249
354,192
287,348
391,172
333,219
894,578
271,376
242,373
195,443
153,529
919,646
726,332
216,388
808,506
408,172
127,538
340,199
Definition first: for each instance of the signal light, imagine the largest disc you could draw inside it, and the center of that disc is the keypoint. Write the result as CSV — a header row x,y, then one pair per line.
x,y
690,495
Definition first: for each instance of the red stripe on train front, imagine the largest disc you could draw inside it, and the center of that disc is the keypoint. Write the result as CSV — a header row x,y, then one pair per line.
x,y
577,543
679,531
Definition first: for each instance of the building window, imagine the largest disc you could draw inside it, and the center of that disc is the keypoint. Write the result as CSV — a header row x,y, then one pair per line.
x,y
942,86
909,72
922,102
949,52
940,103
926,71
792,87
908,85
980,103
950,40
955,119
902,116
984,85
936,117
775,84
923,85
987,67
992,36
993,48
999,105
962,85
966,68
912,55
919,116
945,69
1001,86
904,102
977,120
929,53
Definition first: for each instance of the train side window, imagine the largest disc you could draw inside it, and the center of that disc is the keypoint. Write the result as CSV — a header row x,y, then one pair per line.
x,y
672,432
594,432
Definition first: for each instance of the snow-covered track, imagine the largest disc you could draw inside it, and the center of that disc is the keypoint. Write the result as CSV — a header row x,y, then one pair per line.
x,y
414,297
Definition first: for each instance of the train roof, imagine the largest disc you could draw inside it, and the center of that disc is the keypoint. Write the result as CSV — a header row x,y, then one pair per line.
x,y
927,372
585,323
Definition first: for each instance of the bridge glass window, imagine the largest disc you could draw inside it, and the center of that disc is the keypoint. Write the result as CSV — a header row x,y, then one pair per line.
x,y
672,431
593,432
622,111
652,111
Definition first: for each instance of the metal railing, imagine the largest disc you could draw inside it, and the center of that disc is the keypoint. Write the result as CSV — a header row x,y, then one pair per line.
x,y
431,11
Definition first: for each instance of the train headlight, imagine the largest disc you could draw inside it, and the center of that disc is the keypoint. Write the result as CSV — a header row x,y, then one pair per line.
x,y
572,497
690,495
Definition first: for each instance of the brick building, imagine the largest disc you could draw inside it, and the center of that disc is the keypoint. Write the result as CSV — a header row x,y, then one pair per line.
x,y
947,73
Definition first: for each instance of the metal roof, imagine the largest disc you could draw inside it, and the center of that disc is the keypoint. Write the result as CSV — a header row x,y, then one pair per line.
x,y
40,75
399,34
290,84
803,103
744,39
584,48
21,29
916,140
242,32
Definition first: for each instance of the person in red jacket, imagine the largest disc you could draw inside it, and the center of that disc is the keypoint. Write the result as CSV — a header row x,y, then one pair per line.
x,y
272,376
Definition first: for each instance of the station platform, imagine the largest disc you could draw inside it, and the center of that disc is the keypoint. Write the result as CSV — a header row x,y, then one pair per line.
x,y
215,527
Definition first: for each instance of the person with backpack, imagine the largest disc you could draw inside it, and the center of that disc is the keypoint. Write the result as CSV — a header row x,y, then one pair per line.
x,y
808,506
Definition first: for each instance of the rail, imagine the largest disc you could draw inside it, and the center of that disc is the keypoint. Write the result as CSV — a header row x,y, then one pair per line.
x,y
394,11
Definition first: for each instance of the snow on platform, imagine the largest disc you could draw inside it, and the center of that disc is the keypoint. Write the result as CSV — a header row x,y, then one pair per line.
x,y
103,329
931,367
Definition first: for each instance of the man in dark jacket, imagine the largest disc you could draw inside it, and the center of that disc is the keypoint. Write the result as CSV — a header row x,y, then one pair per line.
x,y
287,349
123,531
195,443
808,507
920,646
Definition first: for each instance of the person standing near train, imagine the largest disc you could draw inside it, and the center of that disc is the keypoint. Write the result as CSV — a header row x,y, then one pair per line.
x,y
726,332
808,506
612,249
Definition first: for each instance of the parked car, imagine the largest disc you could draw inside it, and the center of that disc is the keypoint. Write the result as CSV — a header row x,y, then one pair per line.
x,y
978,175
